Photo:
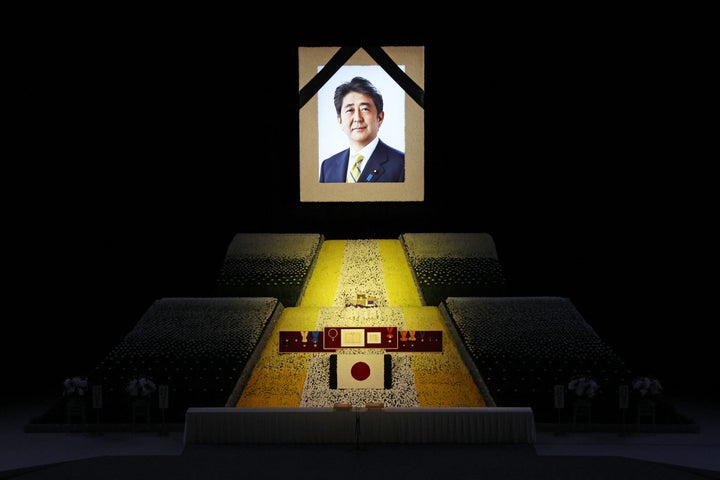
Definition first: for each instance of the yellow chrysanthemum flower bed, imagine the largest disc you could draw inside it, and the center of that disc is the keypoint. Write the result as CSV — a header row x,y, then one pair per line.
x,y
278,379
399,281
320,290
441,379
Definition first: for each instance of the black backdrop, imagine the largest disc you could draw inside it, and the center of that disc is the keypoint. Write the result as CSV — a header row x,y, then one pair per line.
x,y
147,145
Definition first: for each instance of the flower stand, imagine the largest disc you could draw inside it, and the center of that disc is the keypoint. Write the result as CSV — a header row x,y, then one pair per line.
x,y
140,410
582,410
75,410
645,410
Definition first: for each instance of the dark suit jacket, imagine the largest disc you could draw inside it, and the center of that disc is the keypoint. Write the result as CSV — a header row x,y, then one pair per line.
x,y
386,164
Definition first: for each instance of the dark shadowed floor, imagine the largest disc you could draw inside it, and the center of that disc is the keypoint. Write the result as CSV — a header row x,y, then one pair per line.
x,y
150,455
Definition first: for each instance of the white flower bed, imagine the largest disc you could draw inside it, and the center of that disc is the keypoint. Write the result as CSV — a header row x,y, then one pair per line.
x,y
193,327
547,327
176,334
275,245
361,272
439,245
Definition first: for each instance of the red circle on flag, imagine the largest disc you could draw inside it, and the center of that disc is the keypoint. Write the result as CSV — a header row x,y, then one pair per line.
x,y
360,371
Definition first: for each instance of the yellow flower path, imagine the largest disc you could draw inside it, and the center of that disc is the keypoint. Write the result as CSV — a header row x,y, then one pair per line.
x,y
441,379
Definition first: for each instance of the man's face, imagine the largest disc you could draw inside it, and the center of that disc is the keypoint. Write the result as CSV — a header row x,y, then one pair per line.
x,y
359,119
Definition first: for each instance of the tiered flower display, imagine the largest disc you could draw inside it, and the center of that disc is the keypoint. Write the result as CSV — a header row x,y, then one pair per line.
x,y
378,269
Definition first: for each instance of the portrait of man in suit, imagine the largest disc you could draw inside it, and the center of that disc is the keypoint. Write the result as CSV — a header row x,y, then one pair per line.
x,y
360,114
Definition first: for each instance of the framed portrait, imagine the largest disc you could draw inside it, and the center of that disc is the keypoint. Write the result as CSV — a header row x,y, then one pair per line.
x,y
402,127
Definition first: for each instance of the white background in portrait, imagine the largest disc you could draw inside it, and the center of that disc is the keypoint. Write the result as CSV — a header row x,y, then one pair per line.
x,y
331,138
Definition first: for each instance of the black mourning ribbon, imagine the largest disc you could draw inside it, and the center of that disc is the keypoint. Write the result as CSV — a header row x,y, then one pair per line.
x,y
377,54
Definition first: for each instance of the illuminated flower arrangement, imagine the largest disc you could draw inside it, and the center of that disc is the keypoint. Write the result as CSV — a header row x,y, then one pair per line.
x,y
140,387
75,386
647,386
417,380
584,387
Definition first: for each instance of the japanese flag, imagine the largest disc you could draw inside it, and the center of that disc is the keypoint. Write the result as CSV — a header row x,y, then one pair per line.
x,y
361,371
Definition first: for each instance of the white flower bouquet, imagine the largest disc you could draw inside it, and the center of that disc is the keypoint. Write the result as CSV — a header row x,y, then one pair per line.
x,y
647,386
141,387
75,386
584,387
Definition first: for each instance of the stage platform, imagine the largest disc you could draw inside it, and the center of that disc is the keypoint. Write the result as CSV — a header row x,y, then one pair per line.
x,y
486,425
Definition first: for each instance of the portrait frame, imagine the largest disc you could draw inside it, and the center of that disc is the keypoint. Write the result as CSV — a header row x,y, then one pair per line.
x,y
408,59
